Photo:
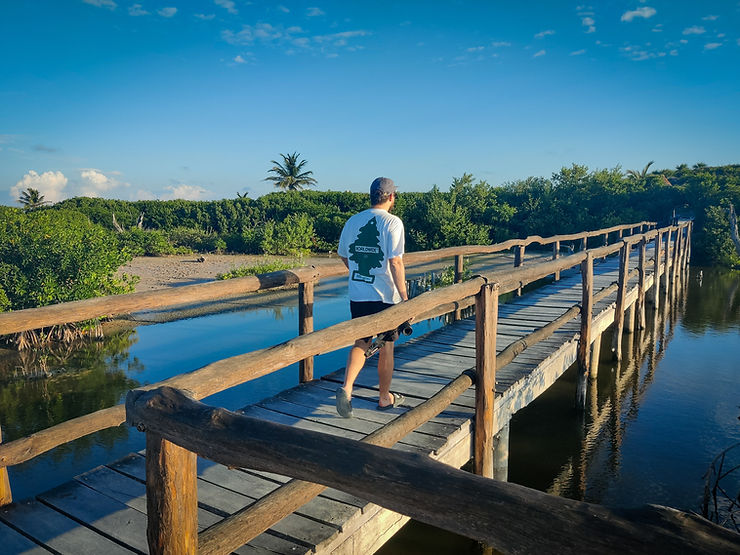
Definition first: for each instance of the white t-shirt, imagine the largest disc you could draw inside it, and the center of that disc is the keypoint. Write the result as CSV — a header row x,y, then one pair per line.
x,y
369,239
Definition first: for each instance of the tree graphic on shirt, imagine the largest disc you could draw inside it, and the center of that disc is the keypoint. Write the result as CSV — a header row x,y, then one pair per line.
x,y
366,252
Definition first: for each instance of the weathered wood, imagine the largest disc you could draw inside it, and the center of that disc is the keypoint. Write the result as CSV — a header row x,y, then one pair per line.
x,y
6,495
624,260
655,290
675,259
244,525
486,316
642,279
171,497
459,272
75,311
584,340
555,256
305,326
501,453
593,372
509,517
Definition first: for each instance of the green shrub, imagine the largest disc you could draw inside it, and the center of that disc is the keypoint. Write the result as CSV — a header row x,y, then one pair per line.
x,y
196,240
266,266
293,236
53,256
146,242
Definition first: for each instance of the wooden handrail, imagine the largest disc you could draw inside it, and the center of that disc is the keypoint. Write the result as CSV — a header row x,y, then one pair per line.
x,y
226,373
76,311
507,516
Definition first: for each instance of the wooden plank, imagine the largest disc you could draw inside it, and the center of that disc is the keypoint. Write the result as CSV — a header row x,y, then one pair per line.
x,y
100,513
15,542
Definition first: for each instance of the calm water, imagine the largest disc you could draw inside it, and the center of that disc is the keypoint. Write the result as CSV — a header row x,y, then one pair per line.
x,y
650,430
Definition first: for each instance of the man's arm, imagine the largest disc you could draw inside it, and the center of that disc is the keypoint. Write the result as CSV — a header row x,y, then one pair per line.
x,y
398,272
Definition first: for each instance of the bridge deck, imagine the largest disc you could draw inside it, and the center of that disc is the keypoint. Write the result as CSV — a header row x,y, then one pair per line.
x,y
104,510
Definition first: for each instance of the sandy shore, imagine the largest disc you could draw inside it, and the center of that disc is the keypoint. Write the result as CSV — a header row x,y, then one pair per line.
x,y
157,272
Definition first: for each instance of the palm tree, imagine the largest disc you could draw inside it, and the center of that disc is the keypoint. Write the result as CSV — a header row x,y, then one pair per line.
x,y
635,174
32,199
288,175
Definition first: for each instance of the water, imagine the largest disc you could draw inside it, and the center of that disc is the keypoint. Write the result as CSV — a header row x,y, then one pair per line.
x,y
649,433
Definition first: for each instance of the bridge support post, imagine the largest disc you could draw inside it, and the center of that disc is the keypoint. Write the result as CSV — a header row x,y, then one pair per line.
x,y
171,497
640,309
593,371
555,256
624,263
655,291
486,320
584,341
518,261
6,495
459,271
666,264
305,326
501,454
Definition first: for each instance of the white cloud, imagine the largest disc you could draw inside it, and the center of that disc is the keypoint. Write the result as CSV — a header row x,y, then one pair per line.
x,y
185,192
694,30
50,184
543,34
500,44
475,49
314,12
589,23
578,52
645,12
94,182
241,59
540,53
205,17
710,18
283,9
141,194
167,12
110,4
137,10
712,45
228,5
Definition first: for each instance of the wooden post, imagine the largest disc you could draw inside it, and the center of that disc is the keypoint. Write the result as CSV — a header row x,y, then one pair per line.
x,y
593,372
675,258
666,263
624,262
486,319
501,454
621,233
584,243
6,495
305,326
518,261
587,304
171,497
655,293
629,318
459,271
688,249
685,248
640,309
555,256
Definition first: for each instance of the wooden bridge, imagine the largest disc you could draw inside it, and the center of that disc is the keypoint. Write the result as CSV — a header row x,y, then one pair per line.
x,y
236,497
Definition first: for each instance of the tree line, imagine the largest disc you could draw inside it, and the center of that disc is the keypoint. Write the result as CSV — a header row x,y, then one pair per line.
x,y
289,222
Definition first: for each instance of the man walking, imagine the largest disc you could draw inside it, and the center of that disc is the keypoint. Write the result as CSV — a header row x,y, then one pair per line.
x,y
371,246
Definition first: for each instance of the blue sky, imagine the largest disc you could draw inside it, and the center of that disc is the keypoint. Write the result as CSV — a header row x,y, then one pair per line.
x,y
166,99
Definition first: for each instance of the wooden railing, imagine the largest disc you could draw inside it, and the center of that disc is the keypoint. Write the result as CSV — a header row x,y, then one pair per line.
x,y
482,290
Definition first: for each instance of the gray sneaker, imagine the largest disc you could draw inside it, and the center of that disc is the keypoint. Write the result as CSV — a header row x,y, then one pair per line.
x,y
344,405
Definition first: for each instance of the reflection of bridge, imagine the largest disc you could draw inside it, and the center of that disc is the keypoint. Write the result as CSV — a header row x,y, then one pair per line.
x,y
521,346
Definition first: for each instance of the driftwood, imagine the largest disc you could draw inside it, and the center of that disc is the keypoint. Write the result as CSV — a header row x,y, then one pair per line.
x,y
509,517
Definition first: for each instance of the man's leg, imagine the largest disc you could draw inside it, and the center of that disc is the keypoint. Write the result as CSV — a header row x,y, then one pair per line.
x,y
355,362
385,373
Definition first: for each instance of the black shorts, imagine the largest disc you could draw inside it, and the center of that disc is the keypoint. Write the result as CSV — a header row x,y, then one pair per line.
x,y
366,308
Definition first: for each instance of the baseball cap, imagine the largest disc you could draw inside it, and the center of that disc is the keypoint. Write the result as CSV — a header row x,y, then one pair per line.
x,y
383,185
